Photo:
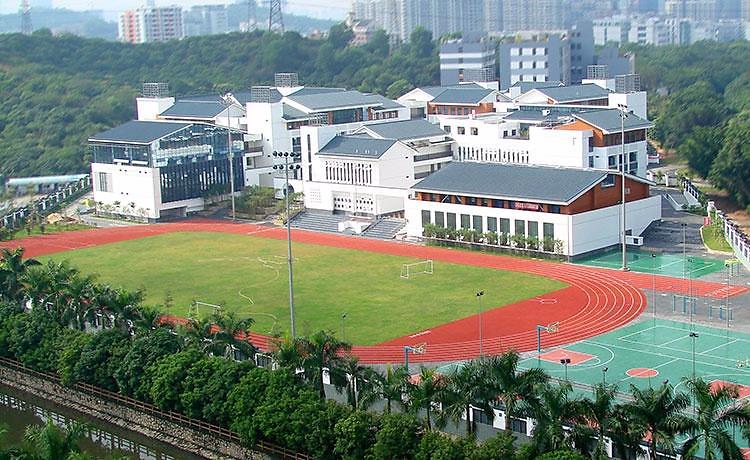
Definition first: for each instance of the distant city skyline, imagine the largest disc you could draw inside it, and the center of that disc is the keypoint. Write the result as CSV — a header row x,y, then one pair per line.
x,y
324,9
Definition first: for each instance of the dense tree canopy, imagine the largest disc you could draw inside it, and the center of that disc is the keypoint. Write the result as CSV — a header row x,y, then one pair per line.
x,y
58,91
697,96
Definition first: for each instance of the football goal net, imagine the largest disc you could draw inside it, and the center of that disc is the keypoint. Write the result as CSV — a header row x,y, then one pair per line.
x,y
416,268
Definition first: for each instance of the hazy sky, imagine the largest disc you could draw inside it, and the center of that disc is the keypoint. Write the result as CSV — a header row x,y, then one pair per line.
x,y
318,8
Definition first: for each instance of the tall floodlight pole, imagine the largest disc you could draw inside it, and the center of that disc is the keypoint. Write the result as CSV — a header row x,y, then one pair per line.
x,y
480,294
227,102
288,167
623,114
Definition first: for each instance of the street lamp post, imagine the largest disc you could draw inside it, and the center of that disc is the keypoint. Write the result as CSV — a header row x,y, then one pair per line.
x,y
653,284
604,375
480,294
565,362
623,115
343,330
227,102
288,167
693,336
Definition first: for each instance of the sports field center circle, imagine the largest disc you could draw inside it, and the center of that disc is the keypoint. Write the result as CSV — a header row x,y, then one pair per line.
x,y
596,301
642,372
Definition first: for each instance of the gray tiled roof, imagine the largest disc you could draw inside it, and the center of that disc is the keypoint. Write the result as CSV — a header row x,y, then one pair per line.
x,y
139,132
194,109
332,100
462,96
526,86
575,92
316,90
406,129
513,182
357,146
608,120
530,116
290,113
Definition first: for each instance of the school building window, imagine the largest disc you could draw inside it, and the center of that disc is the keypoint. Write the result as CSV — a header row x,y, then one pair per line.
x,y
426,217
477,224
492,224
465,221
451,220
520,227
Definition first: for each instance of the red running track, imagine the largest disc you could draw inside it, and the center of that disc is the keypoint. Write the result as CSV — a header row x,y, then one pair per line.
x,y
596,301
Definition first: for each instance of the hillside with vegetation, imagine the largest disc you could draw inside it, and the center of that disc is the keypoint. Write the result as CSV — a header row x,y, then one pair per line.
x,y
60,90
699,98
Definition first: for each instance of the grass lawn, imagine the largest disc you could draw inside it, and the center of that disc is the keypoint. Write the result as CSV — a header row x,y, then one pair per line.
x,y
249,275
715,240
49,229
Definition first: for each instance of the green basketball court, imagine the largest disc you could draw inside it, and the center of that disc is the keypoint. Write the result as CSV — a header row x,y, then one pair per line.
x,y
649,352
674,265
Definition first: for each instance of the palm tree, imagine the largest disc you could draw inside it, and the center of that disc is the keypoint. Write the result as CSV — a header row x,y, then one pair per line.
x,y
424,393
716,410
323,351
79,304
657,414
288,353
149,318
557,410
12,270
597,416
466,387
122,306
199,333
230,338
389,386
515,388
359,380
51,443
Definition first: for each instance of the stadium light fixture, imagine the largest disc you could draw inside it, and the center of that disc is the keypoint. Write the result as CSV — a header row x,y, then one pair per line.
x,y
286,167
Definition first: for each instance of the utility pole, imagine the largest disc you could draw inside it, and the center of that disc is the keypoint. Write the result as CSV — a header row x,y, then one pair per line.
x,y
275,18
25,11
623,115
252,20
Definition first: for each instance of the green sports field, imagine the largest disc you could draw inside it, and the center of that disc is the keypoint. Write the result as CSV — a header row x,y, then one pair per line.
x,y
674,265
249,275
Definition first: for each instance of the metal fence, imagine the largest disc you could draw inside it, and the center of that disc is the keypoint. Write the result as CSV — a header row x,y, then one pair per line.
x,y
737,239
17,218
149,409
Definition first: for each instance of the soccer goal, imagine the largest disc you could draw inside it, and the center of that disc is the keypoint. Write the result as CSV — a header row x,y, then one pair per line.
x,y
417,268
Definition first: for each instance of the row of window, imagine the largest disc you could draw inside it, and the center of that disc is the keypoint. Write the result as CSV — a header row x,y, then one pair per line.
x,y
348,172
528,51
452,110
488,203
488,224
492,155
529,65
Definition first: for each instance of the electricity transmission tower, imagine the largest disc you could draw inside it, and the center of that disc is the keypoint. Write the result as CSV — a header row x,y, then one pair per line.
x,y
252,20
25,10
275,19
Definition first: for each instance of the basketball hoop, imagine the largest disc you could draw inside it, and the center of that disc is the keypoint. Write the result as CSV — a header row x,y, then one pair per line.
x,y
419,349
553,327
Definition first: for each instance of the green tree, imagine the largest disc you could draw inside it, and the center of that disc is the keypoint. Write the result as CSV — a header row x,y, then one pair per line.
x,y
423,394
398,437
437,446
702,147
131,376
100,359
731,168
557,410
716,411
499,447
657,414
323,351
207,385
355,435
340,35
231,337
13,268
515,389
467,386
244,399
167,377
598,412
398,88
389,386
48,442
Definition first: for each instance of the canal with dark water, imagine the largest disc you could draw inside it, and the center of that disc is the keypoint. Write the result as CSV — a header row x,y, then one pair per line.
x,y
19,410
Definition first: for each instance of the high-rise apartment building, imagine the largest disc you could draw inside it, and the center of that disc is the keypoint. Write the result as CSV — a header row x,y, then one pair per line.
x,y
542,59
206,20
542,15
464,61
695,10
399,18
151,24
